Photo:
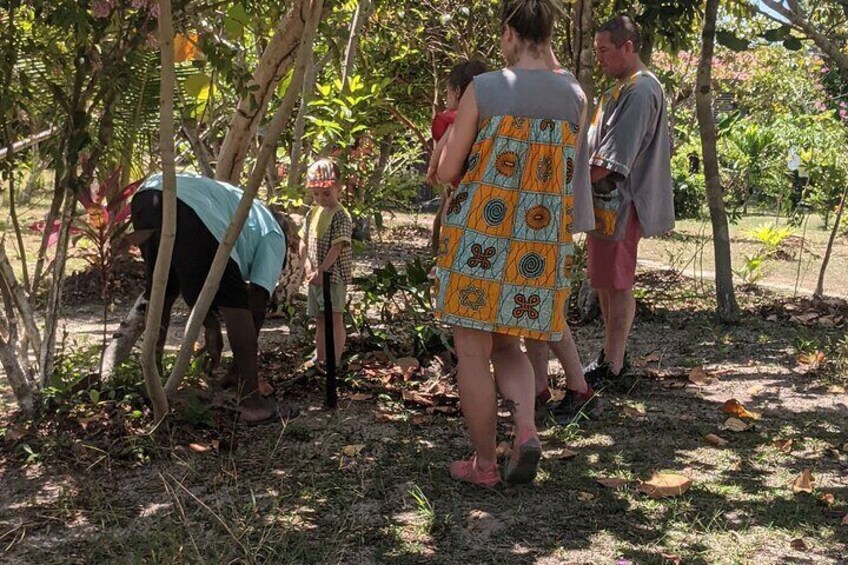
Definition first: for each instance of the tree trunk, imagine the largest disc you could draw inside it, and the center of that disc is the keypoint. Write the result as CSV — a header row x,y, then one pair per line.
x,y
152,379
52,214
275,128
16,224
584,52
360,16
199,148
124,339
297,156
820,285
276,61
796,17
54,296
728,310
10,359
19,299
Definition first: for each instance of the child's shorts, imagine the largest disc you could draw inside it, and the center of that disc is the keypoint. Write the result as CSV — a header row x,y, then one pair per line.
x,y
315,301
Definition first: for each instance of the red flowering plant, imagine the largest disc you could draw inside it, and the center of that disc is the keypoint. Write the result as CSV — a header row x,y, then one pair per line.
x,y
96,233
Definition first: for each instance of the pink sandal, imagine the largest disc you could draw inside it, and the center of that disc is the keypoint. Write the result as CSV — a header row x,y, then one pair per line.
x,y
469,472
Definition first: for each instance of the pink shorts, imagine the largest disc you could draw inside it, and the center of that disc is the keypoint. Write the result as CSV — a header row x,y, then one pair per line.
x,y
612,264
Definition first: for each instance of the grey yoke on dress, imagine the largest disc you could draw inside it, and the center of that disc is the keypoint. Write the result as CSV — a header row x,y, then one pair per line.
x,y
542,94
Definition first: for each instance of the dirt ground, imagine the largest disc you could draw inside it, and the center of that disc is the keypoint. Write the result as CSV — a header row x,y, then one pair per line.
x,y
368,483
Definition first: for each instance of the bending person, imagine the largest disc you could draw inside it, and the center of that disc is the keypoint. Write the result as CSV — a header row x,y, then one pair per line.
x,y
205,208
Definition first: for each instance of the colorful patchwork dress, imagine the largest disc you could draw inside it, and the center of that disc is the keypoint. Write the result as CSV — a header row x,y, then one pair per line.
x,y
506,253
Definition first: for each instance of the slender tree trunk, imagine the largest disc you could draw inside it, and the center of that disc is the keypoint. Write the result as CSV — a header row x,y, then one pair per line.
x,y
124,338
276,61
199,148
360,16
796,16
54,296
19,299
13,214
149,366
275,128
728,310
297,156
820,285
584,52
52,214
11,361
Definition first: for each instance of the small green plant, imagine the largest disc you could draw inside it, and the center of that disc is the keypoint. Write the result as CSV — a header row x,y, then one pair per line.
x,y
424,508
770,238
402,298
752,270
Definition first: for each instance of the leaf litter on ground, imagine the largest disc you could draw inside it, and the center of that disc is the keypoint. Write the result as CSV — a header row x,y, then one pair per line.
x,y
735,408
804,482
664,485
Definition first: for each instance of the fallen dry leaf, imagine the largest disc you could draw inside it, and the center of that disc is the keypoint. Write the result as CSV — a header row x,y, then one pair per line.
x,y
836,389
804,482
784,445
503,449
662,485
612,483
756,389
735,408
671,558
699,377
84,422
417,398
482,523
634,411
845,448
359,396
642,362
265,388
13,434
845,520
419,419
566,454
198,448
585,496
353,450
407,366
715,440
798,545
734,425
827,499
812,360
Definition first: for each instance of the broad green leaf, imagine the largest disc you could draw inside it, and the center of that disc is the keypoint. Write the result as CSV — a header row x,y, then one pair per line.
x,y
732,41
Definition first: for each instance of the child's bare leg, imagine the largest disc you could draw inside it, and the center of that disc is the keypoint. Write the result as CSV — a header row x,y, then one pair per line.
x,y
537,353
566,352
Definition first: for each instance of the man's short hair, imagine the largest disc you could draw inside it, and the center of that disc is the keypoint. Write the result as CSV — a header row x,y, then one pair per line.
x,y
623,29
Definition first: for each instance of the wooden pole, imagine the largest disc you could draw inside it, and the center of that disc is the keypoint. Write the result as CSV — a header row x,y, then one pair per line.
x,y
330,345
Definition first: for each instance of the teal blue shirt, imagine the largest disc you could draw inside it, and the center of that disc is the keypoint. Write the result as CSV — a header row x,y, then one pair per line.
x,y
260,248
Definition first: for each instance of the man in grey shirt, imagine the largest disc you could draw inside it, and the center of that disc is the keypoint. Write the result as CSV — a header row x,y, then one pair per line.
x,y
631,185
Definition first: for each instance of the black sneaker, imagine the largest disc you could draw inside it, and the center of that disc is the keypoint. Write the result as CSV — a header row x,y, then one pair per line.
x,y
602,377
594,363
573,404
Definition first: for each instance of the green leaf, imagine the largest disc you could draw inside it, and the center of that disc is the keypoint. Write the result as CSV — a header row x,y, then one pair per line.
x,y
235,20
792,43
732,41
198,86
776,34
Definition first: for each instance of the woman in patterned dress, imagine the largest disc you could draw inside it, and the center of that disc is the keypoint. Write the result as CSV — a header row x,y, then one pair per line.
x,y
506,253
